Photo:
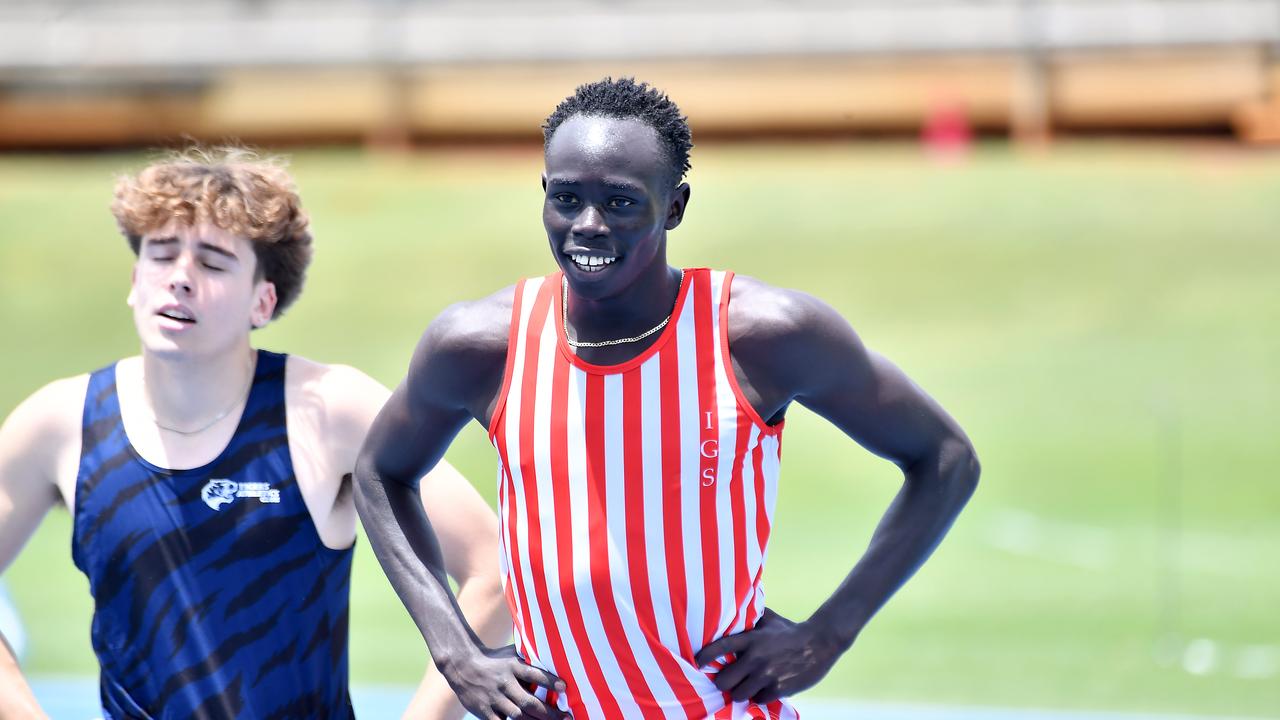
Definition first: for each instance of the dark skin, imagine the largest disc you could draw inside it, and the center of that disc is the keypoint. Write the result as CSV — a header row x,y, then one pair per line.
x,y
609,194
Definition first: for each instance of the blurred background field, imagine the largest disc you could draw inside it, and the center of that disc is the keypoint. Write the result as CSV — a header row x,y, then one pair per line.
x,y
1058,216
1100,316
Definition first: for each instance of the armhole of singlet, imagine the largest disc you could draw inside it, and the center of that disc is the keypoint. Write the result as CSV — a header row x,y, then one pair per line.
x,y
510,363
86,414
260,369
743,403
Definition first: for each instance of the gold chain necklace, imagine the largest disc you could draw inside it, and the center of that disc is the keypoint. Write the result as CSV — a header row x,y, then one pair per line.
x,y
564,307
244,395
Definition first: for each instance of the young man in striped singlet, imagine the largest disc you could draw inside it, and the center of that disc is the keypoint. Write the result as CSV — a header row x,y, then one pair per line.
x,y
637,411
209,482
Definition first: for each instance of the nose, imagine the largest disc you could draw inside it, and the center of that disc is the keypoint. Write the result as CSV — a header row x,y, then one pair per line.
x,y
589,223
180,275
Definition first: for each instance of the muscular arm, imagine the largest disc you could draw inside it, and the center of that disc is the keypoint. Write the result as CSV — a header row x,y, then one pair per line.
x,y
33,443
468,533
791,347
454,376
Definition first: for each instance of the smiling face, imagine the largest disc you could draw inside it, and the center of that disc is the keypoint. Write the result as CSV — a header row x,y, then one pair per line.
x,y
609,203
196,291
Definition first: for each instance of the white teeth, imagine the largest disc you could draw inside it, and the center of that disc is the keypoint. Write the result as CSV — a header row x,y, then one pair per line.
x,y
591,262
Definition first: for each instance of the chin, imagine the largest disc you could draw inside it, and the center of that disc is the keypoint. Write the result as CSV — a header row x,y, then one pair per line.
x,y
593,290
167,349
162,345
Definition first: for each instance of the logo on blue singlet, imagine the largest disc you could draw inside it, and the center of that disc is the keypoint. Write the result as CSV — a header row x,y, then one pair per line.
x,y
217,493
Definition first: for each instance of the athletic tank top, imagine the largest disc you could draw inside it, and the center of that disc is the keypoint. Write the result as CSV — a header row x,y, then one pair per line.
x,y
635,502
213,594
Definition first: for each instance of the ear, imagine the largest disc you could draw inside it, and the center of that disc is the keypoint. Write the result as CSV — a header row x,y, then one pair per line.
x,y
679,201
132,297
264,303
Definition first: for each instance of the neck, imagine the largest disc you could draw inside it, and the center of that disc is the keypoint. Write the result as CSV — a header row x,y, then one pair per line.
x,y
184,392
637,308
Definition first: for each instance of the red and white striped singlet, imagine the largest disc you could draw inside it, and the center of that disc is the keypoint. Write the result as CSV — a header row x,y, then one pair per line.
x,y
635,502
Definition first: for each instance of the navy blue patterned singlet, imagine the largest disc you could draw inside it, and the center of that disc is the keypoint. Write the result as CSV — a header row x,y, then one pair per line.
x,y
213,594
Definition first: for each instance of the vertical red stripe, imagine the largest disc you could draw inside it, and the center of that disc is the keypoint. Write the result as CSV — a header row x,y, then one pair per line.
x,y
709,452
537,565
497,435
737,496
672,479
762,514
567,588
762,524
511,543
637,552
515,578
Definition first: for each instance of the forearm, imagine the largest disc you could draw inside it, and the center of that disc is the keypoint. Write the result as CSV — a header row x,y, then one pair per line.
x,y
410,555
486,611
933,493
16,698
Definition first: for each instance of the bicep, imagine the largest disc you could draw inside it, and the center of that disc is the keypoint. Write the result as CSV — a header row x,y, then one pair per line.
x,y
452,366
872,400
410,434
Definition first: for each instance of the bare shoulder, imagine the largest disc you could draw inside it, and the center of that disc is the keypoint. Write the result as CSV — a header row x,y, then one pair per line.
x,y
460,359
784,343
762,315
52,413
474,328
333,398
64,396
465,346
41,437
332,380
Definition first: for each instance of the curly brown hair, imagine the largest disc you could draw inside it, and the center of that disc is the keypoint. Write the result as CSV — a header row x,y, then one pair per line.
x,y
234,189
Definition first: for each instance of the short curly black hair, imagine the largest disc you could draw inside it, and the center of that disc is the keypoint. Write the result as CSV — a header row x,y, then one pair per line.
x,y
626,98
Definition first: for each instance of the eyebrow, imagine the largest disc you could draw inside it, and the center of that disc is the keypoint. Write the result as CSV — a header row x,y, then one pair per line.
x,y
624,187
221,251
611,184
164,241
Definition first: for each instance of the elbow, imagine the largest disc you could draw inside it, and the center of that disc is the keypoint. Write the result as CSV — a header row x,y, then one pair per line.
x,y
952,468
364,481
966,469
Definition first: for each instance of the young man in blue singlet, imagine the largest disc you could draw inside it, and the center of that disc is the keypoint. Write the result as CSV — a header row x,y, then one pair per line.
x,y
209,482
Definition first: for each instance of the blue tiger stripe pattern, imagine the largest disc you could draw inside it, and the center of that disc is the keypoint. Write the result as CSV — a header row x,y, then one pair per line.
x,y
213,594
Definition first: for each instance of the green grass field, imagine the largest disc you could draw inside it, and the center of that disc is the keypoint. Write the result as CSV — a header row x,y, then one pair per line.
x,y
1102,319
